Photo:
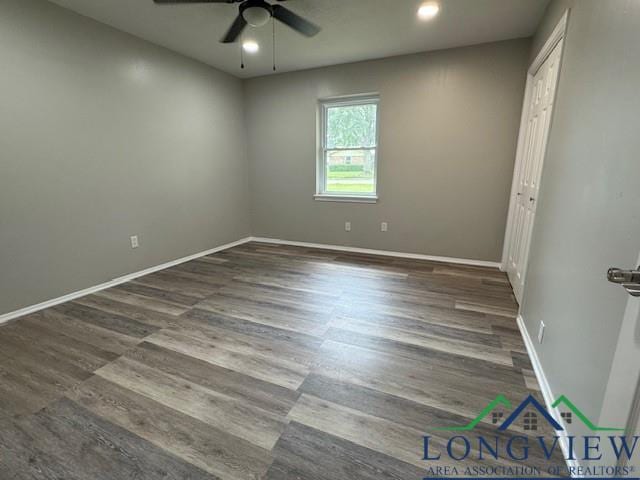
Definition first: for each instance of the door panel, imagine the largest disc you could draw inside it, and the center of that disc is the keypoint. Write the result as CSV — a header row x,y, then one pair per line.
x,y
529,171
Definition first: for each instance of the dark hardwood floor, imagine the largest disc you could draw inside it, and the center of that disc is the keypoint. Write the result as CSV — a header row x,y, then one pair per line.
x,y
260,362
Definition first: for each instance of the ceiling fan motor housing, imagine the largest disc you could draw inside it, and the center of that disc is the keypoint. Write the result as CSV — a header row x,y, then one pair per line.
x,y
256,12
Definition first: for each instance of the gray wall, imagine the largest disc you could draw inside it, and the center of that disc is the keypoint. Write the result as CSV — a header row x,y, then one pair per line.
x,y
448,133
103,136
588,217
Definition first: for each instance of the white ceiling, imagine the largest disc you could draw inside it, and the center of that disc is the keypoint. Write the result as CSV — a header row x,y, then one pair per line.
x,y
352,30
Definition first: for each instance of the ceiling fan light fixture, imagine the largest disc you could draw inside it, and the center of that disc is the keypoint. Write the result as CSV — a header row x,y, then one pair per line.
x,y
251,47
428,10
256,16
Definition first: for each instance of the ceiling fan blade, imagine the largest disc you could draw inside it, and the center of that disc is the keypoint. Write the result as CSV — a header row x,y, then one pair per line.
x,y
295,21
235,30
184,2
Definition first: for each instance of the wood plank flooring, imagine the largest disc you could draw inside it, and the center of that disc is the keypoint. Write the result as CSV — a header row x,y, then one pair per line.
x,y
260,362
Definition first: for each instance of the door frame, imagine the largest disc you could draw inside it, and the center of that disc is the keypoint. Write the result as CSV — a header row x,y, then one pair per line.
x,y
556,36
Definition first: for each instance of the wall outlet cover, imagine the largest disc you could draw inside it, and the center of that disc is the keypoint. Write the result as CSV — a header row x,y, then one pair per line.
x,y
134,241
541,332
384,226
347,226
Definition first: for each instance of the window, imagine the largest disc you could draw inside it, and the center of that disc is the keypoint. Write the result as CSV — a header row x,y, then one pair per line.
x,y
530,421
347,159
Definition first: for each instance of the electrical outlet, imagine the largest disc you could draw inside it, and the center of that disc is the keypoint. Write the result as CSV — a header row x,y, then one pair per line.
x,y
541,332
134,242
384,226
347,226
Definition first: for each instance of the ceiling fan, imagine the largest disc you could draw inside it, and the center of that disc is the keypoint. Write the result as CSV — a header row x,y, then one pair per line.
x,y
255,13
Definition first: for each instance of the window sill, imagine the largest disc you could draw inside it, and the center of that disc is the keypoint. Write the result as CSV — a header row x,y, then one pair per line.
x,y
325,197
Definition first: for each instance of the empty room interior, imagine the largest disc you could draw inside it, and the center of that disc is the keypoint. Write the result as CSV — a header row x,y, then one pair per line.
x,y
319,239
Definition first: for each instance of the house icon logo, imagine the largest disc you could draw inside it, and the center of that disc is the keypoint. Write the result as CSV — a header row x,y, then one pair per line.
x,y
532,412
530,417
516,437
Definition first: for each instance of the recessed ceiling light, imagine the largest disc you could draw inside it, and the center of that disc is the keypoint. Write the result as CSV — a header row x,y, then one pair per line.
x,y
428,10
250,46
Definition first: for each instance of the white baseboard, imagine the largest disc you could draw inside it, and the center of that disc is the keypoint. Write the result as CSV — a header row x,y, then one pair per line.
x,y
387,253
547,394
6,317
116,281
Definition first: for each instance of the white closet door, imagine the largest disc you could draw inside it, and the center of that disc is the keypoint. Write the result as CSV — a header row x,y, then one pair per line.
x,y
529,170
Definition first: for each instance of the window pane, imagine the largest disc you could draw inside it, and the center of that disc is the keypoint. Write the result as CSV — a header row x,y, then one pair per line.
x,y
351,126
351,171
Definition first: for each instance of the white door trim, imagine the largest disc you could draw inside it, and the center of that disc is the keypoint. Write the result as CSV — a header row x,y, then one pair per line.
x,y
558,34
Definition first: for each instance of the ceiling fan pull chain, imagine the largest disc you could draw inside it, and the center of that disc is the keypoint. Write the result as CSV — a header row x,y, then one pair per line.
x,y
241,56
273,22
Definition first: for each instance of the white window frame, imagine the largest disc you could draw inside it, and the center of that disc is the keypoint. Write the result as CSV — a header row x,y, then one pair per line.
x,y
324,105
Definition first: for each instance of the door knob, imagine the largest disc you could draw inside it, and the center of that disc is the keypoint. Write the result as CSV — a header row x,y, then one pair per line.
x,y
618,275
629,279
